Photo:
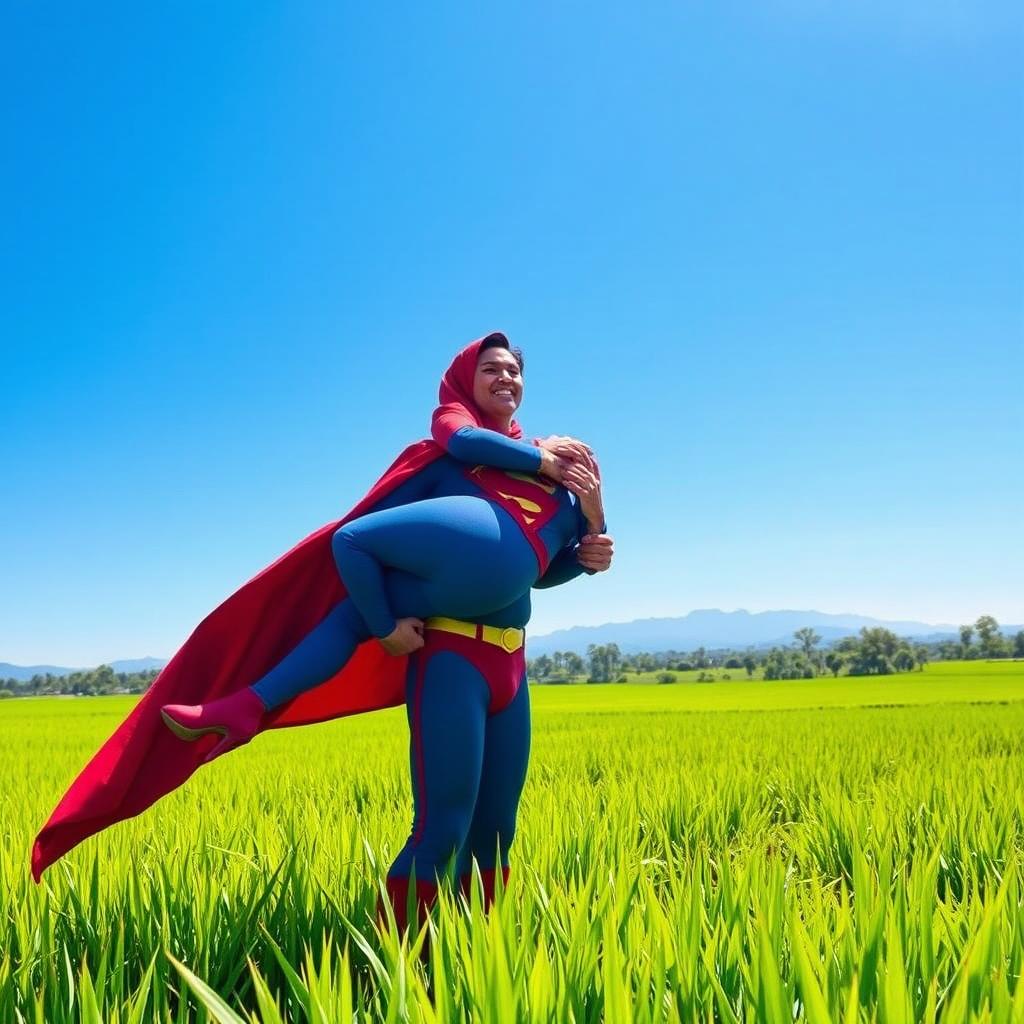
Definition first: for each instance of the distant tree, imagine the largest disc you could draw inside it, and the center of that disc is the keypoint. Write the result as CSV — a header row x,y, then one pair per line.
x,y
1018,645
666,677
787,664
605,661
542,667
104,680
700,658
875,652
614,656
574,664
808,640
645,663
749,663
988,635
921,656
966,632
834,662
903,659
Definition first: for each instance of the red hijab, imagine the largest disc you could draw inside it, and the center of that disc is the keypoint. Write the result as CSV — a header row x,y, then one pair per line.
x,y
456,405
241,640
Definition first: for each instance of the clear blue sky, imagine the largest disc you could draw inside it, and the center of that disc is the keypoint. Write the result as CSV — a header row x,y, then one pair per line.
x,y
767,259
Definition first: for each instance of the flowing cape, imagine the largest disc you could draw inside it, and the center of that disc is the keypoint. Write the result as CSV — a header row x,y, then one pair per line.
x,y
238,643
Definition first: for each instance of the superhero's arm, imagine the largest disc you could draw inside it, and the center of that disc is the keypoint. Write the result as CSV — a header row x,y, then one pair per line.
x,y
565,566
479,446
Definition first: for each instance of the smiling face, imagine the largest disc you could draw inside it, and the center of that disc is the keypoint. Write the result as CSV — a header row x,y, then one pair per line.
x,y
497,384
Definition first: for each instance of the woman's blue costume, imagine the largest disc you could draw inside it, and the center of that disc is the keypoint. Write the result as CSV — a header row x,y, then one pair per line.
x,y
456,532
438,546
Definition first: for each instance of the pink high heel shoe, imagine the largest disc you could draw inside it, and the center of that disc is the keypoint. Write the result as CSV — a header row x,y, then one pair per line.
x,y
236,717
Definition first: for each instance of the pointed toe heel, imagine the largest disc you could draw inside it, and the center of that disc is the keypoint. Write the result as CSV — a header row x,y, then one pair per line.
x,y
237,718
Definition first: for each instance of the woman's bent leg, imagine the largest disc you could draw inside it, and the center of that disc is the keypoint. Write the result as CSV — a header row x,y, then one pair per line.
x,y
321,653
470,555
326,649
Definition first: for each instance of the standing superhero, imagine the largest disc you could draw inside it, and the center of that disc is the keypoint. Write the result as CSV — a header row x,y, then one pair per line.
x,y
446,536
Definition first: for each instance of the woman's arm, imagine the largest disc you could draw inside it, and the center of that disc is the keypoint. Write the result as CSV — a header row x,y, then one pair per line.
x,y
478,446
562,568
567,563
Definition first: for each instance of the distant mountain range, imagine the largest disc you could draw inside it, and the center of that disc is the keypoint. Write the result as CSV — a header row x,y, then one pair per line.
x,y
711,628
23,672
706,627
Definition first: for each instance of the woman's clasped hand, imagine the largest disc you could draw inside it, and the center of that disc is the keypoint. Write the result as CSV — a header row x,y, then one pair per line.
x,y
559,452
575,466
406,637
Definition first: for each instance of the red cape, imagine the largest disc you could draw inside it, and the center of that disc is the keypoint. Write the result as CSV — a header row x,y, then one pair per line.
x,y
239,642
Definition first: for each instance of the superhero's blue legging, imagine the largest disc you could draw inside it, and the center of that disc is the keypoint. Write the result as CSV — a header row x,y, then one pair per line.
x,y
468,766
453,556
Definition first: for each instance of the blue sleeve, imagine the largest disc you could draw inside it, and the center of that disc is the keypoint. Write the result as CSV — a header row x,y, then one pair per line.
x,y
564,566
479,446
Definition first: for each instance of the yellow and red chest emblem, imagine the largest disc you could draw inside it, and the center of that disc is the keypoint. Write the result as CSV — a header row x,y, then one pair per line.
x,y
531,500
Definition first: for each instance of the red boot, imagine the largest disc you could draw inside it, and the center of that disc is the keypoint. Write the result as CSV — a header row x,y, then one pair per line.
x,y
236,717
398,893
487,878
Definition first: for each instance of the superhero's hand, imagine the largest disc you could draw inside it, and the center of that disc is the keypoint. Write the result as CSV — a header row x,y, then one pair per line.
x,y
587,487
568,449
406,637
553,466
595,552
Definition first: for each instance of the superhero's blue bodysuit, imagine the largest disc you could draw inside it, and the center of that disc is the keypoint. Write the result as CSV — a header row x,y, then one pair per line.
x,y
437,545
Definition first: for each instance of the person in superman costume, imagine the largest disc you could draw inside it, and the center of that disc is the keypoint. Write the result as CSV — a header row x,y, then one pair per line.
x,y
419,595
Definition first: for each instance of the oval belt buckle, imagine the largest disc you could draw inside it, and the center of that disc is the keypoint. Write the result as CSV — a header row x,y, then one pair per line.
x,y
510,639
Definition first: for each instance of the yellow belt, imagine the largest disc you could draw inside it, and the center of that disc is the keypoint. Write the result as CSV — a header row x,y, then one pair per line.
x,y
508,638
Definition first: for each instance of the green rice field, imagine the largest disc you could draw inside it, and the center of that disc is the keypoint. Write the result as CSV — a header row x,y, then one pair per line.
x,y
823,850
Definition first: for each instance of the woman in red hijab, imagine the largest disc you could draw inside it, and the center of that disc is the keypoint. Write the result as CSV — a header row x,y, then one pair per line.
x,y
436,564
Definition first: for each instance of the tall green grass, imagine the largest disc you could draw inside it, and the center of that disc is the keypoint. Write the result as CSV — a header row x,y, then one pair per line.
x,y
816,863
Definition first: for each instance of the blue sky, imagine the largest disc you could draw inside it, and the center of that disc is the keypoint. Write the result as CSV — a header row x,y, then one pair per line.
x,y
767,259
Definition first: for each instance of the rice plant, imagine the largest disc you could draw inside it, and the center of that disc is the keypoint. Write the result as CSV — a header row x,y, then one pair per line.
x,y
740,852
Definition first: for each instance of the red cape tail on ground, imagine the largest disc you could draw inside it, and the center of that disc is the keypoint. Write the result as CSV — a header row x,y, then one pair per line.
x,y
234,646
245,637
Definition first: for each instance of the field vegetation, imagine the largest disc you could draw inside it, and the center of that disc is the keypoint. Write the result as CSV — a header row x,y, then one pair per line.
x,y
821,850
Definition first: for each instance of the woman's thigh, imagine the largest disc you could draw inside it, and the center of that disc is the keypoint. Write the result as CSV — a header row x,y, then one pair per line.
x,y
503,773
410,595
455,555
446,700
506,757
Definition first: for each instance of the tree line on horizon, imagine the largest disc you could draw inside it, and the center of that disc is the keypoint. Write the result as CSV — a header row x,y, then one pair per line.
x,y
874,651
91,682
